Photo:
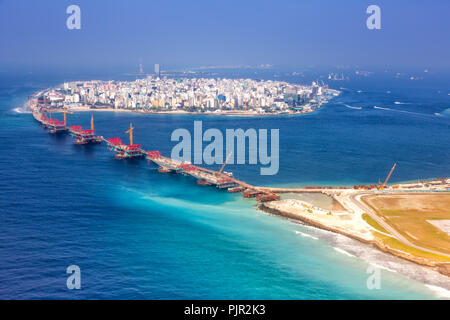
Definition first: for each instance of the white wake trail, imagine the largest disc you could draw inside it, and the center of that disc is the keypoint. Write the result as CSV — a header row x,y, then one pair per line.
x,y
404,111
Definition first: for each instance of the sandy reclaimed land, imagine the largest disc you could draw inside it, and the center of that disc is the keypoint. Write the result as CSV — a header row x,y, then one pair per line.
x,y
346,223
352,224
411,214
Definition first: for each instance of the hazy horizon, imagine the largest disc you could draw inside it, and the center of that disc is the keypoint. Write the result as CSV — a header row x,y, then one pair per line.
x,y
198,33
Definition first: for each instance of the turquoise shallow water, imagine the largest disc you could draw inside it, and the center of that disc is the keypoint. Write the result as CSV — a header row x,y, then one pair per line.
x,y
138,234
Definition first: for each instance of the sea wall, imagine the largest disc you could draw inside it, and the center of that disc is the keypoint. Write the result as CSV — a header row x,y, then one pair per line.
x,y
311,222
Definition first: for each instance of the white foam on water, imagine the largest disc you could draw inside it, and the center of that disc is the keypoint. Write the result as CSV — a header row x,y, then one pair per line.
x,y
393,264
438,291
23,109
383,267
382,260
435,281
306,235
445,112
357,108
398,102
403,111
343,252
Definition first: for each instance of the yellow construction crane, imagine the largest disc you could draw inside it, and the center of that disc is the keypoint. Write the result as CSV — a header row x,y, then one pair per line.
x,y
223,166
92,122
65,116
130,131
387,178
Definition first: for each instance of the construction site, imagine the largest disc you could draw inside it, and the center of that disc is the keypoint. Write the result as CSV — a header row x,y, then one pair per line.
x,y
358,216
219,179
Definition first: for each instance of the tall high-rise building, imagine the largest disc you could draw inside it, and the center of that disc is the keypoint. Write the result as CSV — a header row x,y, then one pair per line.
x,y
157,71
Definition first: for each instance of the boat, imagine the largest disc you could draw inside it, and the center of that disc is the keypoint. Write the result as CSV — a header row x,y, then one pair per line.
x,y
164,170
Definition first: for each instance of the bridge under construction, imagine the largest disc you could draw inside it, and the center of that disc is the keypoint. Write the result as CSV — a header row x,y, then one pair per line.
x,y
219,179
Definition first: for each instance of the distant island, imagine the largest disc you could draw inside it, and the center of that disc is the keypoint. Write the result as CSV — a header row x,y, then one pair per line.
x,y
190,95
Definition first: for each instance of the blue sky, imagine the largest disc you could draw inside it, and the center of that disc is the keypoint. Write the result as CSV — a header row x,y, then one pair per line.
x,y
233,32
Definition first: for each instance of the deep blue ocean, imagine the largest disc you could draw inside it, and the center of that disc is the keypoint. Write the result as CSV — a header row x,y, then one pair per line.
x,y
138,234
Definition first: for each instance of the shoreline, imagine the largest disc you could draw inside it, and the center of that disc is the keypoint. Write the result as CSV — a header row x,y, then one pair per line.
x,y
263,207
442,268
214,96
371,254
181,112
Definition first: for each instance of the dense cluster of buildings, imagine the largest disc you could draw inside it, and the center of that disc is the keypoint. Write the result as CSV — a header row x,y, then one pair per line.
x,y
192,95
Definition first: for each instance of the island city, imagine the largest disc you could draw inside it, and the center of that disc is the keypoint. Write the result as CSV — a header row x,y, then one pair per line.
x,y
192,95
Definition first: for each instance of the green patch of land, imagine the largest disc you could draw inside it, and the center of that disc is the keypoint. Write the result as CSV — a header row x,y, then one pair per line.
x,y
409,215
371,222
397,245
